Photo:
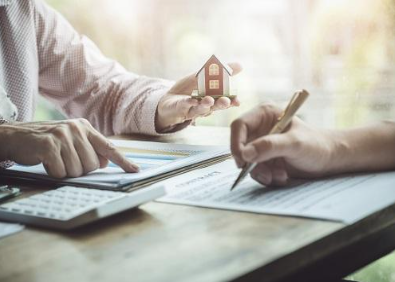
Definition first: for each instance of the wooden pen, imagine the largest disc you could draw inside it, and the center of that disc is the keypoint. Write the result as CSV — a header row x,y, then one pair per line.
x,y
282,122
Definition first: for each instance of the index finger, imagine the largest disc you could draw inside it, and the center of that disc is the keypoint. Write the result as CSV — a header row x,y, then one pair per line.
x,y
251,126
106,149
238,139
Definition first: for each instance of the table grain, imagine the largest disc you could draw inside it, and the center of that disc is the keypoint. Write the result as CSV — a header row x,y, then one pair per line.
x,y
165,242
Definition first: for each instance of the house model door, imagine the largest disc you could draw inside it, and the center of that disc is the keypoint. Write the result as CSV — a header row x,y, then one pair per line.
x,y
214,77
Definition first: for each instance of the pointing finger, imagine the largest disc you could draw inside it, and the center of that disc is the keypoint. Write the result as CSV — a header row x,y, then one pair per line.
x,y
106,149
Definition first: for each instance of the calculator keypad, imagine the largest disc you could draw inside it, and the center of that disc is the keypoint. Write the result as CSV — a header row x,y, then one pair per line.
x,y
61,204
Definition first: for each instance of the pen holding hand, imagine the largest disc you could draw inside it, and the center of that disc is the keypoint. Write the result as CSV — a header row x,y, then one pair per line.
x,y
299,151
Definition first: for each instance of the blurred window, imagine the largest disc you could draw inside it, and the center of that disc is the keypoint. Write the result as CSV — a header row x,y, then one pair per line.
x,y
341,51
213,69
214,84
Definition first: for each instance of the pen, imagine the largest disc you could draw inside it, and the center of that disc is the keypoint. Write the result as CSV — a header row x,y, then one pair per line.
x,y
282,122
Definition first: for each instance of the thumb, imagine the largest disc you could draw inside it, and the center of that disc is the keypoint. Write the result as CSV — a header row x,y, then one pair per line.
x,y
184,103
185,85
236,67
267,147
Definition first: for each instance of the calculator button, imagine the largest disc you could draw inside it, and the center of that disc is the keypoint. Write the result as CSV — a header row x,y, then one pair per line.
x,y
62,204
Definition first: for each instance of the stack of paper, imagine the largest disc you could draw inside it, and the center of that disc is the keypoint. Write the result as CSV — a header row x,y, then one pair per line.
x,y
345,198
157,161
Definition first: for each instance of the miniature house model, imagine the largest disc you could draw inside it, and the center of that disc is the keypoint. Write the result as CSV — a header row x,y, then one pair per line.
x,y
214,79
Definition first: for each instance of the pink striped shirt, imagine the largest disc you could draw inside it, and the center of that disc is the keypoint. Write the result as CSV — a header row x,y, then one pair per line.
x,y
41,53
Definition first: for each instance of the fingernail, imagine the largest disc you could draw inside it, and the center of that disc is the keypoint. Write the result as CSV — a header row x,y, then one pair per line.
x,y
249,153
135,167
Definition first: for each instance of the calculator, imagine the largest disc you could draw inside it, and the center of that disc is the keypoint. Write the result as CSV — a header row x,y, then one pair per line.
x,y
69,207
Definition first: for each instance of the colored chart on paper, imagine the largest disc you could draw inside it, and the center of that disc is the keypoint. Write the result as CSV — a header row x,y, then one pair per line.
x,y
153,158
148,159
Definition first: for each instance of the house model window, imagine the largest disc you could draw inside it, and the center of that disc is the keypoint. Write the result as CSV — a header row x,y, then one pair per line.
x,y
213,79
214,84
213,69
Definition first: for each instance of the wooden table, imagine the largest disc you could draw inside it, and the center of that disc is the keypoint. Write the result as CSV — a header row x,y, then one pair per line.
x,y
163,242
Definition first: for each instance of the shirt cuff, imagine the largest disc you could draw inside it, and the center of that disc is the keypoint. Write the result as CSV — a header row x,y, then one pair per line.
x,y
149,112
5,164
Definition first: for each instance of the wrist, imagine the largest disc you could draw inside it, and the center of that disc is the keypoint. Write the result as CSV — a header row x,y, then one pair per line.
x,y
368,148
166,126
340,153
167,119
162,123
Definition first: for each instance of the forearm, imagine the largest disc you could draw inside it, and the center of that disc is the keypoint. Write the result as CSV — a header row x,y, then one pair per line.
x,y
368,148
80,80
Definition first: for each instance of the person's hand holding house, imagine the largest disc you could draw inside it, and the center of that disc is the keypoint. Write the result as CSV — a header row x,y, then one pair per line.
x,y
177,106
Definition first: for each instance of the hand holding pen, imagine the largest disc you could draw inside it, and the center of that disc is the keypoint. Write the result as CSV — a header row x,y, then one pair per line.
x,y
249,148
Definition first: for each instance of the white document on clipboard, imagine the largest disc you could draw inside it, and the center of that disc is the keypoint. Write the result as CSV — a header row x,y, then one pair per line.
x,y
156,161
345,199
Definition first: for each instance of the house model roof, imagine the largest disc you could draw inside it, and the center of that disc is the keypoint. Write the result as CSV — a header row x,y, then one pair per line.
x,y
225,66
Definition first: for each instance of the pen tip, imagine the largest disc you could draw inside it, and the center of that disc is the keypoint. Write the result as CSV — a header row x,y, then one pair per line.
x,y
234,185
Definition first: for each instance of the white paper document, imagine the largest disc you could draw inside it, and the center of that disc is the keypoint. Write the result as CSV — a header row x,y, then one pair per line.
x,y
345,199
153,158
7,229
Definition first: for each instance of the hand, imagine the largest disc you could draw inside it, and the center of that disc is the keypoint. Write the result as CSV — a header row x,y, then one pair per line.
x,y
177,106
68,148
300,151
